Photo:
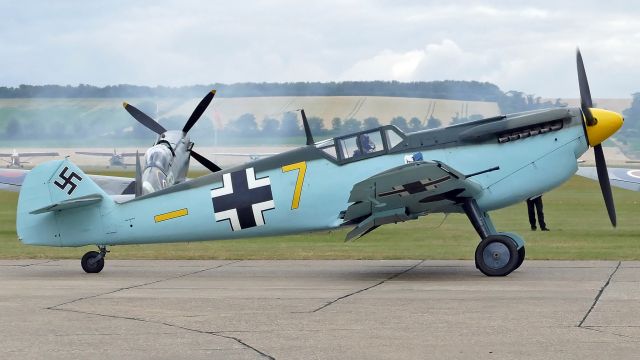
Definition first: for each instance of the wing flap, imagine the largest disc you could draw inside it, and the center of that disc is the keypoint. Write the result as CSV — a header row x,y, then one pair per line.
x,y
373,221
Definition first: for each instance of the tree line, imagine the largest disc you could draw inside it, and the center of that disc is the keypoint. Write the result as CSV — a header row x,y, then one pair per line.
x,y
448,89
68,120
630,131
291,125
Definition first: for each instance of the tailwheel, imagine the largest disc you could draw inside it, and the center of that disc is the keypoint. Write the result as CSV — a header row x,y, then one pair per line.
x,y
498,255
93,261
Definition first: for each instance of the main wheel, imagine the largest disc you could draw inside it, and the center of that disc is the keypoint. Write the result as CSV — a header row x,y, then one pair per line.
x,y
521,254
497,255
92,262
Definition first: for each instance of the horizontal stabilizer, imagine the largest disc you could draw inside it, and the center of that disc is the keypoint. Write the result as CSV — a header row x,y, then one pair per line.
x,y
70,204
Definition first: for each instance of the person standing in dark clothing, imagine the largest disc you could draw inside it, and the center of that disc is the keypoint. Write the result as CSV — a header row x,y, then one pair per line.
x,y
536,202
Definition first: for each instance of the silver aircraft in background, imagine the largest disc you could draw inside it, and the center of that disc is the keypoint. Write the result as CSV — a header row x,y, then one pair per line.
x,y
14,157
167,162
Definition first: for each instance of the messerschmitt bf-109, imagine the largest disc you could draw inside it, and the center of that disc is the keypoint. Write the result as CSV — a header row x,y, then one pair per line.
x,y
365,179
14,157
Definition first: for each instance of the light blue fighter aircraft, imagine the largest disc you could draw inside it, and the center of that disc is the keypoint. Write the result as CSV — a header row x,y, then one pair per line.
x,y
366,179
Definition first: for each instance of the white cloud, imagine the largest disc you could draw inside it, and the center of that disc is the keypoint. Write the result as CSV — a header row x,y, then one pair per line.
x,y
387,65
517,45
440,61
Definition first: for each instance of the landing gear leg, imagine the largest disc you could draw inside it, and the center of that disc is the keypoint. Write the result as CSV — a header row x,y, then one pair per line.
x,y
498,254
93,261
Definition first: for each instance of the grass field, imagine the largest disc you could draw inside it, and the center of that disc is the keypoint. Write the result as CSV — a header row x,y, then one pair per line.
x,y
575,213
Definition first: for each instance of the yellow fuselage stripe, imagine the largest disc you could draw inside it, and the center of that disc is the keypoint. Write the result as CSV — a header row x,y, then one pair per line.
x,y
171,215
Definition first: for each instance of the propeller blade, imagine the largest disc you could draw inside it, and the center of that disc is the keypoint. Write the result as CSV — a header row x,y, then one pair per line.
x,y
205,162
138,190
199,110
144,119
585,94
605,186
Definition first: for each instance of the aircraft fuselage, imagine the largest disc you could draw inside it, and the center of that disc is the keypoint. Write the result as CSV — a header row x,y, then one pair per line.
x,y
308,189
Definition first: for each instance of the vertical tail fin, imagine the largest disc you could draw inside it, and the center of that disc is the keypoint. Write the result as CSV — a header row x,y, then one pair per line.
x,y
52,187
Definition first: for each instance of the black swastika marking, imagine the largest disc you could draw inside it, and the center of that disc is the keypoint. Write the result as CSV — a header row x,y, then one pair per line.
x,y
68,180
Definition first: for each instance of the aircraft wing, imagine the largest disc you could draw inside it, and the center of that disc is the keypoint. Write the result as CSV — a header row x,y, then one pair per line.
x,y
94,153
32,154
131,154
12,179
5,155
619,177
251,155
405,193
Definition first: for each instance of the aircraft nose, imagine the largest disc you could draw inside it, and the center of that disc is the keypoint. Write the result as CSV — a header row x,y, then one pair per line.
x,y
607,123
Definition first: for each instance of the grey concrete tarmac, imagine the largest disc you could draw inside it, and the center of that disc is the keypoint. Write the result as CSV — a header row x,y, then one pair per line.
x,y
409,309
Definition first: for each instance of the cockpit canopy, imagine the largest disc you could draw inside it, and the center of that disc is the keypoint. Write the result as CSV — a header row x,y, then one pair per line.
x,y
361,145
159,156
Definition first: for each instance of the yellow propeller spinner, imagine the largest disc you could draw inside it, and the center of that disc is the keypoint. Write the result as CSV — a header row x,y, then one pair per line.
x,y
606,124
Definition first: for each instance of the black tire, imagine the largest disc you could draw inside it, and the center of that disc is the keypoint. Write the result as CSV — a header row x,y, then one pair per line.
x,y
521,254
497,255
92,267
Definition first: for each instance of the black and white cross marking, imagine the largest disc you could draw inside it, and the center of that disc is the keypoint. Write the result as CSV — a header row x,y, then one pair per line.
x,y
415,187
242,199
68,180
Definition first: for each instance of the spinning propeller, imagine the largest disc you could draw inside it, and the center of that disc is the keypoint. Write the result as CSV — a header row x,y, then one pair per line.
x,y
154,126
600,124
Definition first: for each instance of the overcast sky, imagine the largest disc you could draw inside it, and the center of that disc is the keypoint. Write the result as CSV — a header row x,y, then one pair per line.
x,y
518,45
